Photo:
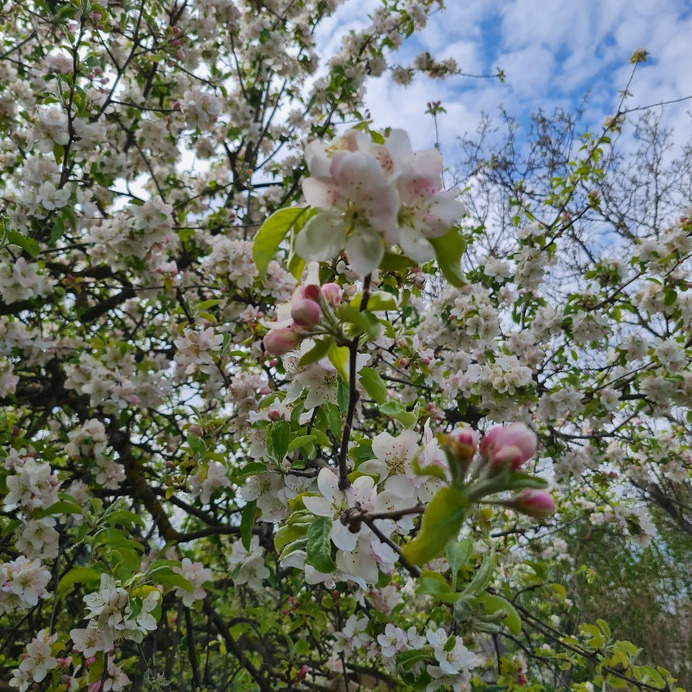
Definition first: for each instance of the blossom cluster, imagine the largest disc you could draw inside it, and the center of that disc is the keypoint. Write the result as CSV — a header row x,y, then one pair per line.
x,y
368,194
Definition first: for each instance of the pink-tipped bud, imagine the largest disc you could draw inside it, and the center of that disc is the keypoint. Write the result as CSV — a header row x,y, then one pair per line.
x,y
309,291
535,503
462,443
332,294
460,447
306,313
513,445
281,340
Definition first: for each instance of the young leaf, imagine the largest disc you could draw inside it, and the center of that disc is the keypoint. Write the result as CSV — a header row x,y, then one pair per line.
x,y
272,233
317,352
373,384
482,578
458,554
448,251
319,546
78,575
338,356
494,603
23,241
441,523
279,438
247,519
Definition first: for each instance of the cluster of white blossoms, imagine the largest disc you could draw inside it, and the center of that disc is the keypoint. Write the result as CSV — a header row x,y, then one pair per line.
x,y
115,614
22,583
21,280
89,445
32,486
369,194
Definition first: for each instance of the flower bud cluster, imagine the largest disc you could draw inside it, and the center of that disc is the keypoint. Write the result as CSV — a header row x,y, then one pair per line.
x,y
307,308
503,450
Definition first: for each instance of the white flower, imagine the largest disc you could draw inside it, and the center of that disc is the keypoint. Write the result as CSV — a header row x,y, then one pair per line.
x,y
392,641
335,502
196,574
214,480
38,659
89,641
392,464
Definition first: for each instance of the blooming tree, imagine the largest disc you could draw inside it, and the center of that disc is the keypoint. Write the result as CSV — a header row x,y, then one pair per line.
x,y
268,420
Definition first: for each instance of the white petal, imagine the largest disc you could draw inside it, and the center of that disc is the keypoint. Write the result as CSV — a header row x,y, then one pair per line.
x,y
441,213
364,250
342,537
415,245
322,238
318,506
400,485
374,467
328,483
356,173
320,192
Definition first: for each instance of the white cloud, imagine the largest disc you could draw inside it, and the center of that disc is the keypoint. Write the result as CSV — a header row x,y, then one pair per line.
x,y
553,53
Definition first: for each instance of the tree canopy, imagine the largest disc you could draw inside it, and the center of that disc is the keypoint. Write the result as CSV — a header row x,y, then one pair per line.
x,y
280,410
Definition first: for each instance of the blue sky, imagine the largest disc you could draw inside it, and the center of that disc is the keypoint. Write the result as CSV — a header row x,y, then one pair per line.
x,y
552,51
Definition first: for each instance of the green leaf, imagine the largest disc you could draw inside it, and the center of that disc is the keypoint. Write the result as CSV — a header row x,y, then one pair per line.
x,y
296,264
78,575
22,241
448,251
519,480
670,297
395,263
482,577
173,579
123,517
394,409
458,554
441,523
317,352
300,441
252,469
61,507
247,519
57,230
373,384
362,322
378,300
408,659
319,546
338,357
288,534
493,603
272,233
438,589
279,439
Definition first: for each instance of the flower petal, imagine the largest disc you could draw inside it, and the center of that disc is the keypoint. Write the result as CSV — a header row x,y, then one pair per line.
x,y
322,238
364,250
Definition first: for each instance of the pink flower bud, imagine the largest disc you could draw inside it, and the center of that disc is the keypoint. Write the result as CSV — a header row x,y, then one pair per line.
x,y
512,445
280,341
462,443
460,447
332,294
534,503
306,313
309,291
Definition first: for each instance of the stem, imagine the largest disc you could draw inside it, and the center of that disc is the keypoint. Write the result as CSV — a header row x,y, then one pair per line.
x,y
352,393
